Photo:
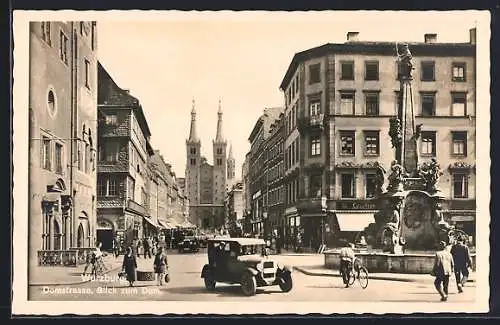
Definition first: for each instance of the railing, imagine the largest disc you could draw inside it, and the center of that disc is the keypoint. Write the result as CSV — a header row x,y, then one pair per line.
x,y
67,257
316,120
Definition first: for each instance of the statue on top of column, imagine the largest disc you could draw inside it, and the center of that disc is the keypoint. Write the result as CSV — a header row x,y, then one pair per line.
x,y
430,172
405,61
396,177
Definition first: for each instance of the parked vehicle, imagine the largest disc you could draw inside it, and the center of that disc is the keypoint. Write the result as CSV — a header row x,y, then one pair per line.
x,y
244,261
189,244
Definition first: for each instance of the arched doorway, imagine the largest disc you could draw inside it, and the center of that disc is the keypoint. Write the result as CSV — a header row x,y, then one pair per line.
x,y
57,236
80,237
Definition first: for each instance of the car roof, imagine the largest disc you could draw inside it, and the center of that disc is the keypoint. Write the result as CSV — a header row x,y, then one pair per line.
x,y
241,241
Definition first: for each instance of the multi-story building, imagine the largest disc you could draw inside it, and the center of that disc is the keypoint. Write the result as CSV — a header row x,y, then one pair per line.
x,y
339,99
274,171
123,150
62,139
257,167
247,196
206,184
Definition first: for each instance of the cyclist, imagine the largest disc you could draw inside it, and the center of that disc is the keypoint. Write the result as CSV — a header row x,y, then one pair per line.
x,y
347,257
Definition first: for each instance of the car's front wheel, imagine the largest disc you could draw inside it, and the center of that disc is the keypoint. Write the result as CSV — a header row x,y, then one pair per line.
x,y
285,282
248,284
209,282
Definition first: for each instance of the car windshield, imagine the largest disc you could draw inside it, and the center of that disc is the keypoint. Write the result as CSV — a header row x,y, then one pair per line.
x,y
251,249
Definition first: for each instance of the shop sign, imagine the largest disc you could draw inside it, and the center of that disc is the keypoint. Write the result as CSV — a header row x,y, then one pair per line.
x,y
462,218
355,205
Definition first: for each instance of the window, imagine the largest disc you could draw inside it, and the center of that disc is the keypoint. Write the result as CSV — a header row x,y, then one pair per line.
x,y
458,71
427,73
192,151
347,103
347,70
93,36
63,48
347,143
315,186
347,186
112,187
51,102
87,73
297,84
460,186
102,187
46,35
371,70
371,103
428,104
58,158
314,73
219,162
130,188
193,161
315,108
459,143
87,158
46,153
458,104
315,146
219,151
371,143
111,119
111,150
428,143
370,185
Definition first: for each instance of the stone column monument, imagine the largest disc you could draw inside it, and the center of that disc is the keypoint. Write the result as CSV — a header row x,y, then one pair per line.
x,y
409,210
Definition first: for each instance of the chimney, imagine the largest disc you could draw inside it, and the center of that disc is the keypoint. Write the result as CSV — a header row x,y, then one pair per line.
x,y
352,36
430,38
472,34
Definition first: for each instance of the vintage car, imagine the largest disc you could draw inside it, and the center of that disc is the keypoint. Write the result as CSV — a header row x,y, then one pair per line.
x,y
244,261
189,243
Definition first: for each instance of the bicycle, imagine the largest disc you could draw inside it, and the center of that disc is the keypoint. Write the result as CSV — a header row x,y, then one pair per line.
x,y
358,272
99,267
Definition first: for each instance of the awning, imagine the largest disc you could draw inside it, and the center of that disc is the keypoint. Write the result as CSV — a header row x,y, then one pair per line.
x,y
354,221
151,222
167,225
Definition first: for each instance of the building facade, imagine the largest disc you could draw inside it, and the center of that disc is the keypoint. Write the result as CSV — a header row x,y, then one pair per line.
x,y
63,141
247,196
206,183
234,209
257,167
122,180
339,99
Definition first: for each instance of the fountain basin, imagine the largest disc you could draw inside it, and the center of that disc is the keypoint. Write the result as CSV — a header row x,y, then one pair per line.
x,y
377,262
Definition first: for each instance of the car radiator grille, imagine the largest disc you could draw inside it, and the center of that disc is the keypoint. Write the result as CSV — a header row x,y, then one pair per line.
x,y
268,265
268,275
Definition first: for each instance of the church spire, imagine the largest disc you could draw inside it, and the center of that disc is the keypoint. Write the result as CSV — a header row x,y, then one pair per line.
x,y
230,155
193,137
219,137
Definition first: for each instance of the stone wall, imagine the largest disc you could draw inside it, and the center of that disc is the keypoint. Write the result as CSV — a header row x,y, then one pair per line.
x,y
390,263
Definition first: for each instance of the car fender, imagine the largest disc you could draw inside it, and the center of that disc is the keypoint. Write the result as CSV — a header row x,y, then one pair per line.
x,y
252,271
207,269
286,268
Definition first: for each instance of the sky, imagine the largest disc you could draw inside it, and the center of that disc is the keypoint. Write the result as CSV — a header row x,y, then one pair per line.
x,y
238,58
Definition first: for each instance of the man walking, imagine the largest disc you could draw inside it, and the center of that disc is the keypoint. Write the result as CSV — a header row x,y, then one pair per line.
x,y
443,268
463,261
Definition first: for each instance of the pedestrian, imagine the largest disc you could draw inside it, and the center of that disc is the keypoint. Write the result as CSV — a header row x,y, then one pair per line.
x,y
347,257
160,265
442,269
147,248
129,266
462,261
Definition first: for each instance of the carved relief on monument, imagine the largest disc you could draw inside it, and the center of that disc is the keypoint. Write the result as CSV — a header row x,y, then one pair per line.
x,y
417,224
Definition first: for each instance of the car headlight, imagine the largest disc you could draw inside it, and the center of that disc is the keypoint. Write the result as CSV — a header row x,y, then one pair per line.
x,y
260,267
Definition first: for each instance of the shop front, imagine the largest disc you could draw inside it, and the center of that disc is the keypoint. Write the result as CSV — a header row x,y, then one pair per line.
x,y
292,227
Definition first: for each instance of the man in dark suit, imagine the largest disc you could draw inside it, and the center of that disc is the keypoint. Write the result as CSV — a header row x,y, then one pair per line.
x,y
463,261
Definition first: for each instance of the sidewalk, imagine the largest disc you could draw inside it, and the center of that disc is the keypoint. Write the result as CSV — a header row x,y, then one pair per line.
x,y
60,275
320,270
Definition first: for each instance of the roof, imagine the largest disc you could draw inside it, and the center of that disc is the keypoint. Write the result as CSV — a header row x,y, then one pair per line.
x,y
242,241
377,48
110,94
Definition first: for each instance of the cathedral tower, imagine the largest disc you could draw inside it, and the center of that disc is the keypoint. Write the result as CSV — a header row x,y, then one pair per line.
x,y
231,168
220,162
193,155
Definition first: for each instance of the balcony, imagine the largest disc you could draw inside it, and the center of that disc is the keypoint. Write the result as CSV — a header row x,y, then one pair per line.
x,y
311,123
312,205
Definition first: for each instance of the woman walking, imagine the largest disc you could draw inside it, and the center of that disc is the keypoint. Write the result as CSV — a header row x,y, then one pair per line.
x,y
129,266
160,265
